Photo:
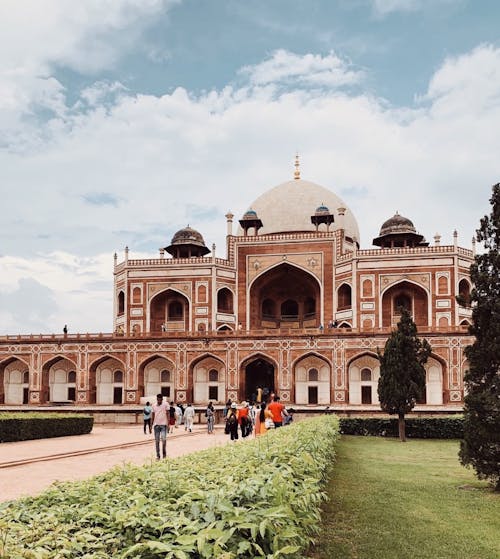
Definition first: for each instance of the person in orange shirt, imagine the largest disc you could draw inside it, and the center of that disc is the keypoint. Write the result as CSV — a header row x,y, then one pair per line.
x,y
278,410
244,420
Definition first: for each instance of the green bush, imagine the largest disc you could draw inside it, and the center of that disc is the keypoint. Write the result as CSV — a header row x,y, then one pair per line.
x,y
27,426
416,428
260,498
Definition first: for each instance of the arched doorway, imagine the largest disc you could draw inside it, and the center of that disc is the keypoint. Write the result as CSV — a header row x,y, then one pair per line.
x,y
285,297
259,372
406,295
169,312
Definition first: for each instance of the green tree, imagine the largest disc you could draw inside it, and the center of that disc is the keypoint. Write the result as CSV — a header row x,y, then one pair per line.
x,y
402,373
481,445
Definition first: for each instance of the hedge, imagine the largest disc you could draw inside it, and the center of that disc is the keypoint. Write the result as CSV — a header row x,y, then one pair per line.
x,y
27,426
258,498
416,428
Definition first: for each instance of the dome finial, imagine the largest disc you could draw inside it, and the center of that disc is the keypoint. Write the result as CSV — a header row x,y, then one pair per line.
x,y
296,174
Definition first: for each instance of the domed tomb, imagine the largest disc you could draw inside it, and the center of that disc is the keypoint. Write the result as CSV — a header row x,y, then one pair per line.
x,y
289,206
187,243
399,231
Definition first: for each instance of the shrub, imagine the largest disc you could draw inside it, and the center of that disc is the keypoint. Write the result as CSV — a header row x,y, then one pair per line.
x,y
257,499
416,428
27,426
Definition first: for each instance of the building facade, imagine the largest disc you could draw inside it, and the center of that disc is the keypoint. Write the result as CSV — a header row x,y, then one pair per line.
x,y
296,308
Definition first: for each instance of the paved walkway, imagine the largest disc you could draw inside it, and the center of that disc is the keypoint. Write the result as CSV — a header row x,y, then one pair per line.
x,y
34,477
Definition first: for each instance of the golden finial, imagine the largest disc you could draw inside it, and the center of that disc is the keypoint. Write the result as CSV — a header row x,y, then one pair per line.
x,y
296,175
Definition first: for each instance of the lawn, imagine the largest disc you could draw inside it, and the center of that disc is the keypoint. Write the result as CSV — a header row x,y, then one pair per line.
x,y
392,500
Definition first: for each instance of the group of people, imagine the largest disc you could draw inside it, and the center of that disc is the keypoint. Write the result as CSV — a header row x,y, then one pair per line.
x,y
257,417
162,417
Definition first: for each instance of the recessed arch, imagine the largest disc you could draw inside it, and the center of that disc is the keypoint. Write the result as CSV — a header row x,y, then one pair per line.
x,y
257,370
416,294
225,300
205,386
363,372
102,388
150,378
284,296
169,309
14,387
55,383
312,379
344,297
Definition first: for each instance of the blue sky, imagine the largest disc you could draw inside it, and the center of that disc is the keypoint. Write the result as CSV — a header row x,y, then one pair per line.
x,y
123,121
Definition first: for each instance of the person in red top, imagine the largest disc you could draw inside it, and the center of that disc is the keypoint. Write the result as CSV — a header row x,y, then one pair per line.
x,y
244,420
278,410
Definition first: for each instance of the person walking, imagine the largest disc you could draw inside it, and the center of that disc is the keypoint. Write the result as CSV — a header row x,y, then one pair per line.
x,y
146,416
172,417
178,415
278,411
260,423
210,415
160,420
232,422
244,420
189,414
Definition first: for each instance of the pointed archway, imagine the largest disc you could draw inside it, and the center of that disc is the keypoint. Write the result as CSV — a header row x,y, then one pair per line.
x,y
259,372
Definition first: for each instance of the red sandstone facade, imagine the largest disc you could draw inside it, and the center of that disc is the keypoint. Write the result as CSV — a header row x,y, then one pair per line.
x,y
296,308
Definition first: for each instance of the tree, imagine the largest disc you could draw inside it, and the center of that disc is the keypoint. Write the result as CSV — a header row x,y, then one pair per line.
x,y
402,373
480,447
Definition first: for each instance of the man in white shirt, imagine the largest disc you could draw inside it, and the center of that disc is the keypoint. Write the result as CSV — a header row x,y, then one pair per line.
x,y
160,421
189,417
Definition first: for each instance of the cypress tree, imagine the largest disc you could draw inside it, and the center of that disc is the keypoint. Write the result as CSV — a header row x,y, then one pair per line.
x,y
402,373
481,445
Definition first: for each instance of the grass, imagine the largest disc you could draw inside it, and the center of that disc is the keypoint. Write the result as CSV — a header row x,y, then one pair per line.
x,y
413,500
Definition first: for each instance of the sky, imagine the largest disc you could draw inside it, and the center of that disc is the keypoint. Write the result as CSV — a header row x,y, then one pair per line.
x,y
122,121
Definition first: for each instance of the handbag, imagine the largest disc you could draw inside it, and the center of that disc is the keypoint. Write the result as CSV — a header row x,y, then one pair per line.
x,y
268,423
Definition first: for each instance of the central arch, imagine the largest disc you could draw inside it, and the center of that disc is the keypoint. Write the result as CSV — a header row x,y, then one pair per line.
x,y
285,297
259,371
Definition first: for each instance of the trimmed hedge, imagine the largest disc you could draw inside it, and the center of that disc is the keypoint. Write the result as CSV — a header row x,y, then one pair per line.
x,y
259,498
28,426
416,428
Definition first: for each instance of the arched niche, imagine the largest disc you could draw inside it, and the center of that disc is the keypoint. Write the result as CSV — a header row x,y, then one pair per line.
x,y
103,381
55,386
209,380
285,297
156,375
225,301
256,371
312,375
363,374
407,295
169,310
14,382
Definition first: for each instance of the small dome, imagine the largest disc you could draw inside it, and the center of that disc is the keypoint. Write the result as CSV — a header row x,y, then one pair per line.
x,y
322,210
250,214
397,224
187,242
188,236
399,231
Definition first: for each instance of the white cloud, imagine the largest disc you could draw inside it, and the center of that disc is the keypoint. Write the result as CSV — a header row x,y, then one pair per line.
x,y
385,7
182,158
308,69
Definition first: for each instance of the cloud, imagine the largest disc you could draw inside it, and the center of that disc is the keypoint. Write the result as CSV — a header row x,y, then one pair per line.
x,y
101,199
382,8
308,70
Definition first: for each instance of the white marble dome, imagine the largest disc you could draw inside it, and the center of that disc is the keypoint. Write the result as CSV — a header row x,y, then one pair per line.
x,y
290,205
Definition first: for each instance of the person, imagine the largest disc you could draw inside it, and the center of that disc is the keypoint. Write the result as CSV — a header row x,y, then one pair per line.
x,y
146,415
172,417
330,324
227,407
260,422
179,413
160,418
289,417
189,418
232,422
65,329
244,420
321,328
278,411
210,415
259,395
335,324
